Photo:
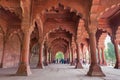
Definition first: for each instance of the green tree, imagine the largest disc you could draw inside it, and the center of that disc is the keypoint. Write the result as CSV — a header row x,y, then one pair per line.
x,y
59,55
110,52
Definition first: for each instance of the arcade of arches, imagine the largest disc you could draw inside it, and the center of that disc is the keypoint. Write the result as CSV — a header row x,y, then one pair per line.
x,y
44,27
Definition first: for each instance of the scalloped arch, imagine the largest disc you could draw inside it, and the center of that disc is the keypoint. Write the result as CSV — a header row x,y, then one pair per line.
x,y
117,6
64,7
10,11
59,39
14,33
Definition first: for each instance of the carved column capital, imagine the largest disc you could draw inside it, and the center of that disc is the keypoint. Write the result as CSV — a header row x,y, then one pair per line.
x,y
25,5
92,29
27,29
92,26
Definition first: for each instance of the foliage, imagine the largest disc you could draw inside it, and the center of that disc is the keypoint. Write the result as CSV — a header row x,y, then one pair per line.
x,y
110,52
59,55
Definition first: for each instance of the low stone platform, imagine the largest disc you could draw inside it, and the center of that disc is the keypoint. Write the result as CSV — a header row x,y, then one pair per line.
x,y
60,72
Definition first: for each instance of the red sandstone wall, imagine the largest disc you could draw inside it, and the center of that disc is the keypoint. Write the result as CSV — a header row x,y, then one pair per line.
x,y
1,46
12,52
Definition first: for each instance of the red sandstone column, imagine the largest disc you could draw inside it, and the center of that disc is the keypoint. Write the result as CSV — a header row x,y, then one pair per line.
x,y
72,55
99,57
40,62
46,56
117,64
52,57
103,57
89,55
49,58
94,69
78,63
86,53
82,53
65,55
3,52
24,68
68,56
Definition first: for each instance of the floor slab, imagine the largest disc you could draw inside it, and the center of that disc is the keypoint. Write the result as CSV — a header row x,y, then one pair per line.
x,y
60,72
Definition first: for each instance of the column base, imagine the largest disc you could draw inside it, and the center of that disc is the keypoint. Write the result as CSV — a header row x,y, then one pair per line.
x,y
78,66
50,62
72,63
104,64
117,65
40,66
23,70
100,63
1,65
46,64
95,70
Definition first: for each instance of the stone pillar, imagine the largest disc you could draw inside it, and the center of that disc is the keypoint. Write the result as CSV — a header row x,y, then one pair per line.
x,y
69,59
103,57
89,55
94,69
3,52
65,55
82,54
24,68
86,55
46,56
52,57
49,58
84,51
72,57
40,62
99,57
78,62
117,64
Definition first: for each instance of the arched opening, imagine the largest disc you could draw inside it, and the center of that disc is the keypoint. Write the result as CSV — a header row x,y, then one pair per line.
x,y
12,52
34,55
34,46
109,52
59,57
60,35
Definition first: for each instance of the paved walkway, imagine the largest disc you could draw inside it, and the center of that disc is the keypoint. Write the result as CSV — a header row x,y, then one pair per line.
x,y
60,72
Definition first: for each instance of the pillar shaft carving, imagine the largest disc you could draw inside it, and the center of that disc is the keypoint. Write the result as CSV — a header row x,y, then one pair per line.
x,y
50,58
117,64
94,69
3,52
40,62
99,56
103,57
78,64
46,56
72,55
24,68
93,48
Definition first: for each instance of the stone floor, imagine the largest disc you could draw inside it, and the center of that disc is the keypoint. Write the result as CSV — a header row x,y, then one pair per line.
x,y
60,72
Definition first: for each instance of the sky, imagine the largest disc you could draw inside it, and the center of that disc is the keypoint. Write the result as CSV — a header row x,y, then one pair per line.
x,y
107,40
